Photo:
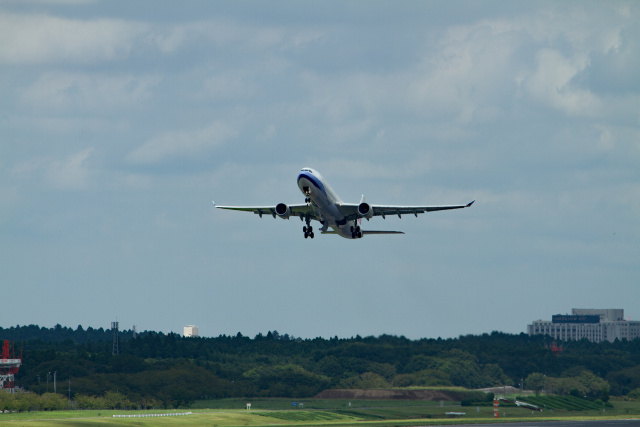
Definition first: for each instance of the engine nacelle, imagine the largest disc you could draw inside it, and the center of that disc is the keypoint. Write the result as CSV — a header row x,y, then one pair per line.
x,y
283,211
365,210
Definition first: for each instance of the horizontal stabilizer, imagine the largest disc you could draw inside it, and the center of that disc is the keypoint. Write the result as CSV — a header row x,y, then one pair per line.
x,y
365,232
381,232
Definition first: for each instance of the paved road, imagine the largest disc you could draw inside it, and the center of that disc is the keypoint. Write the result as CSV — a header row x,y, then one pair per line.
x,y
596,423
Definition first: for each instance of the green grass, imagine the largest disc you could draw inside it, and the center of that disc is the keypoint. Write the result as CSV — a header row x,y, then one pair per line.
x,y
315,413
328,404
307,416
569,403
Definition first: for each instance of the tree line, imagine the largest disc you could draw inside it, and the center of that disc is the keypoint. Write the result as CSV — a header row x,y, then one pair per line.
x,y
167,370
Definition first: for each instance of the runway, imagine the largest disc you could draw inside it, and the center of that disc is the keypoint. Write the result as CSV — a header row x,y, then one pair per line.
x,y
592,423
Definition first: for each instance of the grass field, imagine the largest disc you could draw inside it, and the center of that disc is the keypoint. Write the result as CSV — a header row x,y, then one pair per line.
x,y
284,404
270,412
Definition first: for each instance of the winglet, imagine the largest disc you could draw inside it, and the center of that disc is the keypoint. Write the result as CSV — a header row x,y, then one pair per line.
x,y
213,203
470,204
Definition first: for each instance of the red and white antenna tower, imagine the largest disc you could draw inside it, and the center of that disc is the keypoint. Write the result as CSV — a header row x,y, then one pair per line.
x,y
9,366
555,348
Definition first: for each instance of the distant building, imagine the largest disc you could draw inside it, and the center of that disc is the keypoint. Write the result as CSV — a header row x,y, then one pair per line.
x,y
191,331
593,324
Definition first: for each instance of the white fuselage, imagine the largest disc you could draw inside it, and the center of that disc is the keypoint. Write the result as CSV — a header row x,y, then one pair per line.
x,y
324,202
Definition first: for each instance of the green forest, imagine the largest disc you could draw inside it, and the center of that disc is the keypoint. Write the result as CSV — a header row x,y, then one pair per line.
x,y
154,369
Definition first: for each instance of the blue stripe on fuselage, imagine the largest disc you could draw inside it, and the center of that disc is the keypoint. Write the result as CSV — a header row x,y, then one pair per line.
x,y
315,181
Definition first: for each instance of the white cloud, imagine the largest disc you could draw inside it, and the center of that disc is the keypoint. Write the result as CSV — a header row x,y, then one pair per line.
x,y
39,39
56,90
50,2
182,144
230,86
473,71
552,84
69,173
28,167
43,38
467,72
87,127
224,34
464,74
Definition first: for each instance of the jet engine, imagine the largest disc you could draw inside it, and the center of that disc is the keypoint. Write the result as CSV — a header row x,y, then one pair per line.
x,y
365,210
283,211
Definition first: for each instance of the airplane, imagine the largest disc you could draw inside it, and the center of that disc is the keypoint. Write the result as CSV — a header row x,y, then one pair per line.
x,y
322,204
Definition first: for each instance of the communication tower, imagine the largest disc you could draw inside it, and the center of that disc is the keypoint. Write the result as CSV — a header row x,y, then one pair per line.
x,y
114,328
9,366
556,349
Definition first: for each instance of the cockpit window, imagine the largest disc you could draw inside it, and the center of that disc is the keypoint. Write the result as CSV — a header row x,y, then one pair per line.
x,y
306,170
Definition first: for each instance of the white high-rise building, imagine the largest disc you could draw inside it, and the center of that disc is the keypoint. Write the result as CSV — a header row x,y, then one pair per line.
x,y
596,325
191,331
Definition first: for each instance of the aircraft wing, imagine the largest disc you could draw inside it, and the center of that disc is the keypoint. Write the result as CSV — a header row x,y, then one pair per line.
x,y
350,210
301,210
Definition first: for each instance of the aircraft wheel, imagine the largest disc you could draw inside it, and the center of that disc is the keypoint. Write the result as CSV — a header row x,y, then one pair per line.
x,y
359,234
311,234
306,235
353,235
304,229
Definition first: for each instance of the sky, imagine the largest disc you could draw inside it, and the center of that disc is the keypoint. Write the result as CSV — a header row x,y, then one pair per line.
x,y
121,121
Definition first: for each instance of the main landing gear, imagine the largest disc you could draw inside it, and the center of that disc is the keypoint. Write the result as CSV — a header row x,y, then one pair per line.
x,y
356,232
308,231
